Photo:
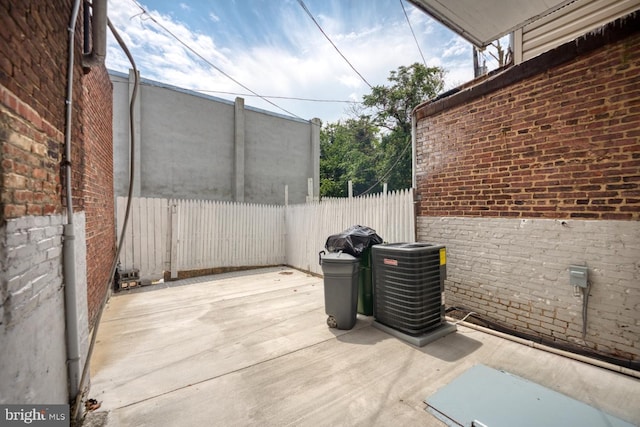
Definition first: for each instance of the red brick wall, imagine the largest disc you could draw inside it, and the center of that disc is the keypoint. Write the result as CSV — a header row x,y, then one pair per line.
x,y
562,144
98,184
533,170
33,54
30,159
33,76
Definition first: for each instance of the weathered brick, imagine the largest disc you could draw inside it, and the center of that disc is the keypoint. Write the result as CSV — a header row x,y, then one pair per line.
x,y
573,153
524,279
20,141
12,180
39,149
14,211
34,209
98,203
23,196
591,139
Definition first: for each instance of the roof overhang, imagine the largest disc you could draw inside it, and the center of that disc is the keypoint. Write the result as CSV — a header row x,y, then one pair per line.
x,y
483,21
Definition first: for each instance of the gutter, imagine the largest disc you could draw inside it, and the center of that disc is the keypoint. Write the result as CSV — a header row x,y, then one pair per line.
x,y
98,51
95,57
68,247
414,179
414,130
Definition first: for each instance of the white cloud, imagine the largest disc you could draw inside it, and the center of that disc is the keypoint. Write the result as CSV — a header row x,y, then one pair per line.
x,y
457,47
307,66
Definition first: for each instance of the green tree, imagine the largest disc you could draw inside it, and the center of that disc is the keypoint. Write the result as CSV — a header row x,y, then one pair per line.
x,y
359,151
392,106
347,152
409,87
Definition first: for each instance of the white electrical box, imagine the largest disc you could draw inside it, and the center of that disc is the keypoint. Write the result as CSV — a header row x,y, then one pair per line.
x,y
578,275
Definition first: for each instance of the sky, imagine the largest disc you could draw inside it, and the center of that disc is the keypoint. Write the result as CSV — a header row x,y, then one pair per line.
x,y
230,48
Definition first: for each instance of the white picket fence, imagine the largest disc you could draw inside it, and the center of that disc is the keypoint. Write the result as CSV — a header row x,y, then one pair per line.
x,y
309,225
178,235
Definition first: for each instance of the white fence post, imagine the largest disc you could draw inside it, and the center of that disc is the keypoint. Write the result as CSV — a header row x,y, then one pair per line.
x,y
309,190
175,220
188,235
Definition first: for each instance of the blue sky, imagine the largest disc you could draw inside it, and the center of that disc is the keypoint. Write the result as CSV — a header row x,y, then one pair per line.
x,y
273,48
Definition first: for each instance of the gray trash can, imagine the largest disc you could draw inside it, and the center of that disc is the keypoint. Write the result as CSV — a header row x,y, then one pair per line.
x,y
340,288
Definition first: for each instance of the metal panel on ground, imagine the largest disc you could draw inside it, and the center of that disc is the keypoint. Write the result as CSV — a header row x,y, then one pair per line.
x,y
483,396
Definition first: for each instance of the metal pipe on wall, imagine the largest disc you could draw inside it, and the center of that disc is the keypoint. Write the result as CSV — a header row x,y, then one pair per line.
x,y
529,343
68,248
414,179
96,57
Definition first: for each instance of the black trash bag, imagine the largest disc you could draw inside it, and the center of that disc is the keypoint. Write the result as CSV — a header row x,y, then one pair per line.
x,y
353,241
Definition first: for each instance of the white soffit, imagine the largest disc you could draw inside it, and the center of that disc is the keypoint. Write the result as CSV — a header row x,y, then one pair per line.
x,y
483,21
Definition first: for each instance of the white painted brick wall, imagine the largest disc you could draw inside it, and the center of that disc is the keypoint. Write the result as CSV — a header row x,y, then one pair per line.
x,y
515,272
32,329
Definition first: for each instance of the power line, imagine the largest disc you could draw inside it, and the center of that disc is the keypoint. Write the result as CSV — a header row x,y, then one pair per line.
x,y
414,34
280,97
144,12
388,172
292,98
304,6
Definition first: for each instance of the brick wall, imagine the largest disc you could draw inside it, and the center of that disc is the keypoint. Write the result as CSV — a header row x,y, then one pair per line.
x,y
534,169
514,272
33,67
33,75
33,55
32,339
31,150
562,144
98,184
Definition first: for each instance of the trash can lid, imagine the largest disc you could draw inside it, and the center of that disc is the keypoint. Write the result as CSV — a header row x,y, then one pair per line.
x,y
408,247
354,240
336,257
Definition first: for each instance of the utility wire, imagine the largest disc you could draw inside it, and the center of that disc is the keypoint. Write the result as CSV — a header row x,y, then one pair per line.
x,y
85,371
144,12
304,6
388,172
414,34
280,97
293,98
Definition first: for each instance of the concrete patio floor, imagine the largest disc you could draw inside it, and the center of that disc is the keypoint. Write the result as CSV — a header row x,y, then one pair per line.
x,y
253,348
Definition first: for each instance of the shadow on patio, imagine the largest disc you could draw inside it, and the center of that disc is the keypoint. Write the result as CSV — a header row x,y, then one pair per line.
x,y
253,348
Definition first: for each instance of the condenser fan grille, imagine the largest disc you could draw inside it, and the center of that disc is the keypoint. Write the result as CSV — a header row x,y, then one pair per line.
x,y
408,285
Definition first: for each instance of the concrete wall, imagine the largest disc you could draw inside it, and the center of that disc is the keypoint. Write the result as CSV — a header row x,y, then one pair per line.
x,y
193,146
533,170
277,155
